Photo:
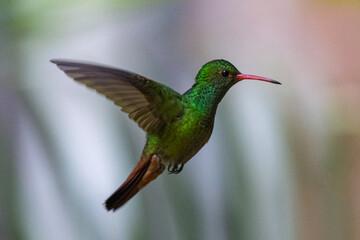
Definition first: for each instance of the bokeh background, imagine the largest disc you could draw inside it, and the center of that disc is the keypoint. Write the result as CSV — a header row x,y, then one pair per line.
x,y
283,162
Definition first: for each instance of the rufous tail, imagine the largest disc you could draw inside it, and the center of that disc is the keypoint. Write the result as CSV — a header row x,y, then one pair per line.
x,y
147,169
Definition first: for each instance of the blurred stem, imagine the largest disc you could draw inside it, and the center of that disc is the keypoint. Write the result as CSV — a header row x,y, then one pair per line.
x,y
10,107
307,179
342,166
240,209
337,195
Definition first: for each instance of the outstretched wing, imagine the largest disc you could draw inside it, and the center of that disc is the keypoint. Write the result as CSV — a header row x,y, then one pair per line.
x,y
148,103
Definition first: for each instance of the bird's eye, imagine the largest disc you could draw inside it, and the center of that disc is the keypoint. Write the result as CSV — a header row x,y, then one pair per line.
x,y
225,73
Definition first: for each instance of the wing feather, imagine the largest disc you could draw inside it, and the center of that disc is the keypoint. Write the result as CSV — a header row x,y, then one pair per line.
x,y
148,103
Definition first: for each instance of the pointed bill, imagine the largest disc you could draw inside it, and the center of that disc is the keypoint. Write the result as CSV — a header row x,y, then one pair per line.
x,y
242,76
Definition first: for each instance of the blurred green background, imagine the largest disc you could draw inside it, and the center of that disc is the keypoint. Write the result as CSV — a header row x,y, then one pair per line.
x,y
283,161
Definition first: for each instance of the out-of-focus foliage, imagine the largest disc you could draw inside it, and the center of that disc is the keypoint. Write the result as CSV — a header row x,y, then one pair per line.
x,y
282,163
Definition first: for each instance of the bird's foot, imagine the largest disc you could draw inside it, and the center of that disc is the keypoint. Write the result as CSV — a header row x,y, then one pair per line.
x,y
176,168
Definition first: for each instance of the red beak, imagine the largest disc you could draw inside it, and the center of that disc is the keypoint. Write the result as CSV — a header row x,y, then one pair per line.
x,y
253,77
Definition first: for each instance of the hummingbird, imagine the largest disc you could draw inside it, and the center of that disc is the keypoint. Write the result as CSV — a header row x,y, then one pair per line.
x,y
177,125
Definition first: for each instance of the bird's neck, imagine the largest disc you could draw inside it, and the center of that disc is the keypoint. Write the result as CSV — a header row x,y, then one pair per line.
x,y
205,98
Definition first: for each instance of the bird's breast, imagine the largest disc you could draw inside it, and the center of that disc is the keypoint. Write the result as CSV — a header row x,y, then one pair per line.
x,y
182,139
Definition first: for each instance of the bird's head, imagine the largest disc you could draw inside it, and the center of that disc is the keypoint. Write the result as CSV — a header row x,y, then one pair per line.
x,y
221,72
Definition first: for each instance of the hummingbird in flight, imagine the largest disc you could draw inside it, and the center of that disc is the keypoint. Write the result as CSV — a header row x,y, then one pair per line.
x,y
177,125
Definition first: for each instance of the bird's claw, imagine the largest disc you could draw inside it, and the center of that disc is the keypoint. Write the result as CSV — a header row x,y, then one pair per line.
x,y
176,168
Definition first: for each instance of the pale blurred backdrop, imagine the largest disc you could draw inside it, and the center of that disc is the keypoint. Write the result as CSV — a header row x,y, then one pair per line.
x,y
283,162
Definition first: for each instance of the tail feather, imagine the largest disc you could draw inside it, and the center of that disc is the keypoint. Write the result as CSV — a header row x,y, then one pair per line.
x,y
147,169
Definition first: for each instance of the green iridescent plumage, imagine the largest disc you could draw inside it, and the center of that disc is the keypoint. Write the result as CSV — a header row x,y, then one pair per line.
x,y
177,126
182,139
